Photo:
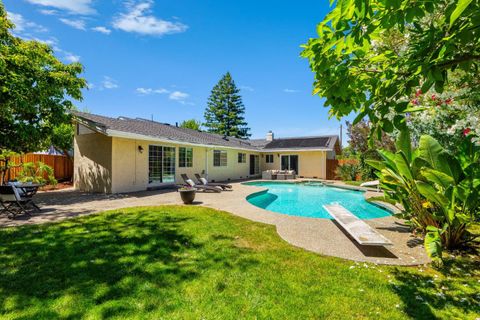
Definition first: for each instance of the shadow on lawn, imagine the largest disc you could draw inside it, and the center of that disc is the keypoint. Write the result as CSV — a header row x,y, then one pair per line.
x,y
100,259
421,292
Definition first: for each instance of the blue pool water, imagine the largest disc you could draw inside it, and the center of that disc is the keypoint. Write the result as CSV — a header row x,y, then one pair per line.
x,y
298,199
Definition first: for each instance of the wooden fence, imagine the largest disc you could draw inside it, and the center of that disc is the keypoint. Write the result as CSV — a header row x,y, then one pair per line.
x,y
62,166
332,165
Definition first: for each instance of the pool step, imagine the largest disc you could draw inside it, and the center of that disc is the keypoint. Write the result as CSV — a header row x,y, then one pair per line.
x,y
357,228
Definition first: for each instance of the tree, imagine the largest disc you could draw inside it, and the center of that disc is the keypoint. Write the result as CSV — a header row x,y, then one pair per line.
x,y
358,135
191,124
62,138
370,56
35,91
449,115
225,110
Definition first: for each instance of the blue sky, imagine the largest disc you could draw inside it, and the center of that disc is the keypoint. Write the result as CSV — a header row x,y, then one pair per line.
x,y
162,57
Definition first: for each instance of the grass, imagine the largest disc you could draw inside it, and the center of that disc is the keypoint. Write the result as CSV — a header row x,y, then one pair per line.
x,y
176,262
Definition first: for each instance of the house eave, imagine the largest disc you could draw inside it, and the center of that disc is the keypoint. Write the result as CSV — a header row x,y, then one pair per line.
x,y
295,150
136,136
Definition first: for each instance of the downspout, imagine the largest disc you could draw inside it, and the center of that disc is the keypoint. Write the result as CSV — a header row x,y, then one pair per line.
x,y
206,163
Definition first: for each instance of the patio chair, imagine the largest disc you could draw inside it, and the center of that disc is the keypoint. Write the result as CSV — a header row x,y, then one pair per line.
x,y
204,182
192,184
290,174
12,203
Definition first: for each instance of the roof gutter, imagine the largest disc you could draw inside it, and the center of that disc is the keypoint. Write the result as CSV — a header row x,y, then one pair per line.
x,y
296,150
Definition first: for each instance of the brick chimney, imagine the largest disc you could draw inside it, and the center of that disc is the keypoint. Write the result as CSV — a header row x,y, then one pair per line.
x,y
270,135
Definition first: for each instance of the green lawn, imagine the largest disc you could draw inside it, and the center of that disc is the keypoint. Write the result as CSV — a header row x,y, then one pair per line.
x,y
177,262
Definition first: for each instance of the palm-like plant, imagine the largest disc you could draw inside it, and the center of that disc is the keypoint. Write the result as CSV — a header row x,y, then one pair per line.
x,y
439,192
37,172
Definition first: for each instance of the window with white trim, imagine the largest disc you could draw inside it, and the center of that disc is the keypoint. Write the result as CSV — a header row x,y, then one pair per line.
x,y
269,158
242,157
219,158
185,157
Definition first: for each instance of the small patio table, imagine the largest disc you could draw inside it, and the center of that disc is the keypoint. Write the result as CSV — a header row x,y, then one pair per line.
x,y
29,190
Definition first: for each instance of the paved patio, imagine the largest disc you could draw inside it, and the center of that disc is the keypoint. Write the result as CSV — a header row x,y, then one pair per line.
x,y
322,236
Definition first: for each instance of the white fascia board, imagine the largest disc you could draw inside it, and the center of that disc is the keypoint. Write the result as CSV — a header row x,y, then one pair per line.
x,y
295,150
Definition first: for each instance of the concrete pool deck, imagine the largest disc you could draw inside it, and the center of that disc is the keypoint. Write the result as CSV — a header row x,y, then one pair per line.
x,y
322,236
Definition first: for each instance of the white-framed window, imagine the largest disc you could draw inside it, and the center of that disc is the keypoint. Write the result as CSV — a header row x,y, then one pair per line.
x,y
242,157
185,157
269,158
219,158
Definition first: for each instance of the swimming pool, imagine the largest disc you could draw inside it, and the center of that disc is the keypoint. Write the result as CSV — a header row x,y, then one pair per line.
x,y
307,200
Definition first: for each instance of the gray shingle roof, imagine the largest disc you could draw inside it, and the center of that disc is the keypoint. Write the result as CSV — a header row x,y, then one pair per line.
x,y
327,142
161,130
165,131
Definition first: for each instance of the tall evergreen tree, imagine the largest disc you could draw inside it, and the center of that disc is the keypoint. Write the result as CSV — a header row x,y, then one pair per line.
x,y
225,110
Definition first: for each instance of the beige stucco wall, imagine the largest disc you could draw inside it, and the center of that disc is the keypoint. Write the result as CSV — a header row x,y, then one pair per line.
x,y
93,163
311,164
130,167
104,164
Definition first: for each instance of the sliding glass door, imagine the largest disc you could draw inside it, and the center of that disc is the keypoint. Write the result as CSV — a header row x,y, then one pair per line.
x,y
161,165
289,162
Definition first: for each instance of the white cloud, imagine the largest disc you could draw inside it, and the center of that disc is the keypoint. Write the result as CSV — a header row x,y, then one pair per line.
x,y
290,90
138,19
23,25
48,12
83,7
51,41
77,24
109,83
247,88
178,96
71,57
102,30
147,91
161,90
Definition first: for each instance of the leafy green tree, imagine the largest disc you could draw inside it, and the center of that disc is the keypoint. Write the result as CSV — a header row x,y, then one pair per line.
x,y
35,91
225,110
191,124
62,138
448,115
358,135
370,56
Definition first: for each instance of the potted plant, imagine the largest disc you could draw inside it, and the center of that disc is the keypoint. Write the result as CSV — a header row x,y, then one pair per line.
x,y
187,194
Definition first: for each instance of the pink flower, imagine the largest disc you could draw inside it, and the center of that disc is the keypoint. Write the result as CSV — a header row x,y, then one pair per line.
x,y
449,101
415,102
466,131
433,97
418,93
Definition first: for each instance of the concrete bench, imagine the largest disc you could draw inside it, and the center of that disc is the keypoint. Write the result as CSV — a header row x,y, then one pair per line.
x,y
358,229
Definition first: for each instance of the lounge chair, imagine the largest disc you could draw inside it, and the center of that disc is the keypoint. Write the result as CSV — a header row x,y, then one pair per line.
x,y
189,182
12,203
204,182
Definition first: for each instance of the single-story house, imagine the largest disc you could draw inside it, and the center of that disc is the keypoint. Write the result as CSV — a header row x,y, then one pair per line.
x,y
123,154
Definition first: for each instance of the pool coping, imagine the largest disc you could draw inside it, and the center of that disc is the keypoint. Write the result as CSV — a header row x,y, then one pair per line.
x,y
325,237
367,193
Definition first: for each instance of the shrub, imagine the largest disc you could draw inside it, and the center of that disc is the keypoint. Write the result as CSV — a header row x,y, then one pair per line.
x,y
37,172
440,193
348,169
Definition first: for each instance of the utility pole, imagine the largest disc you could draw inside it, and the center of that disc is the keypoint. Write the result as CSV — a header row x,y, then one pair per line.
x,y
341,135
